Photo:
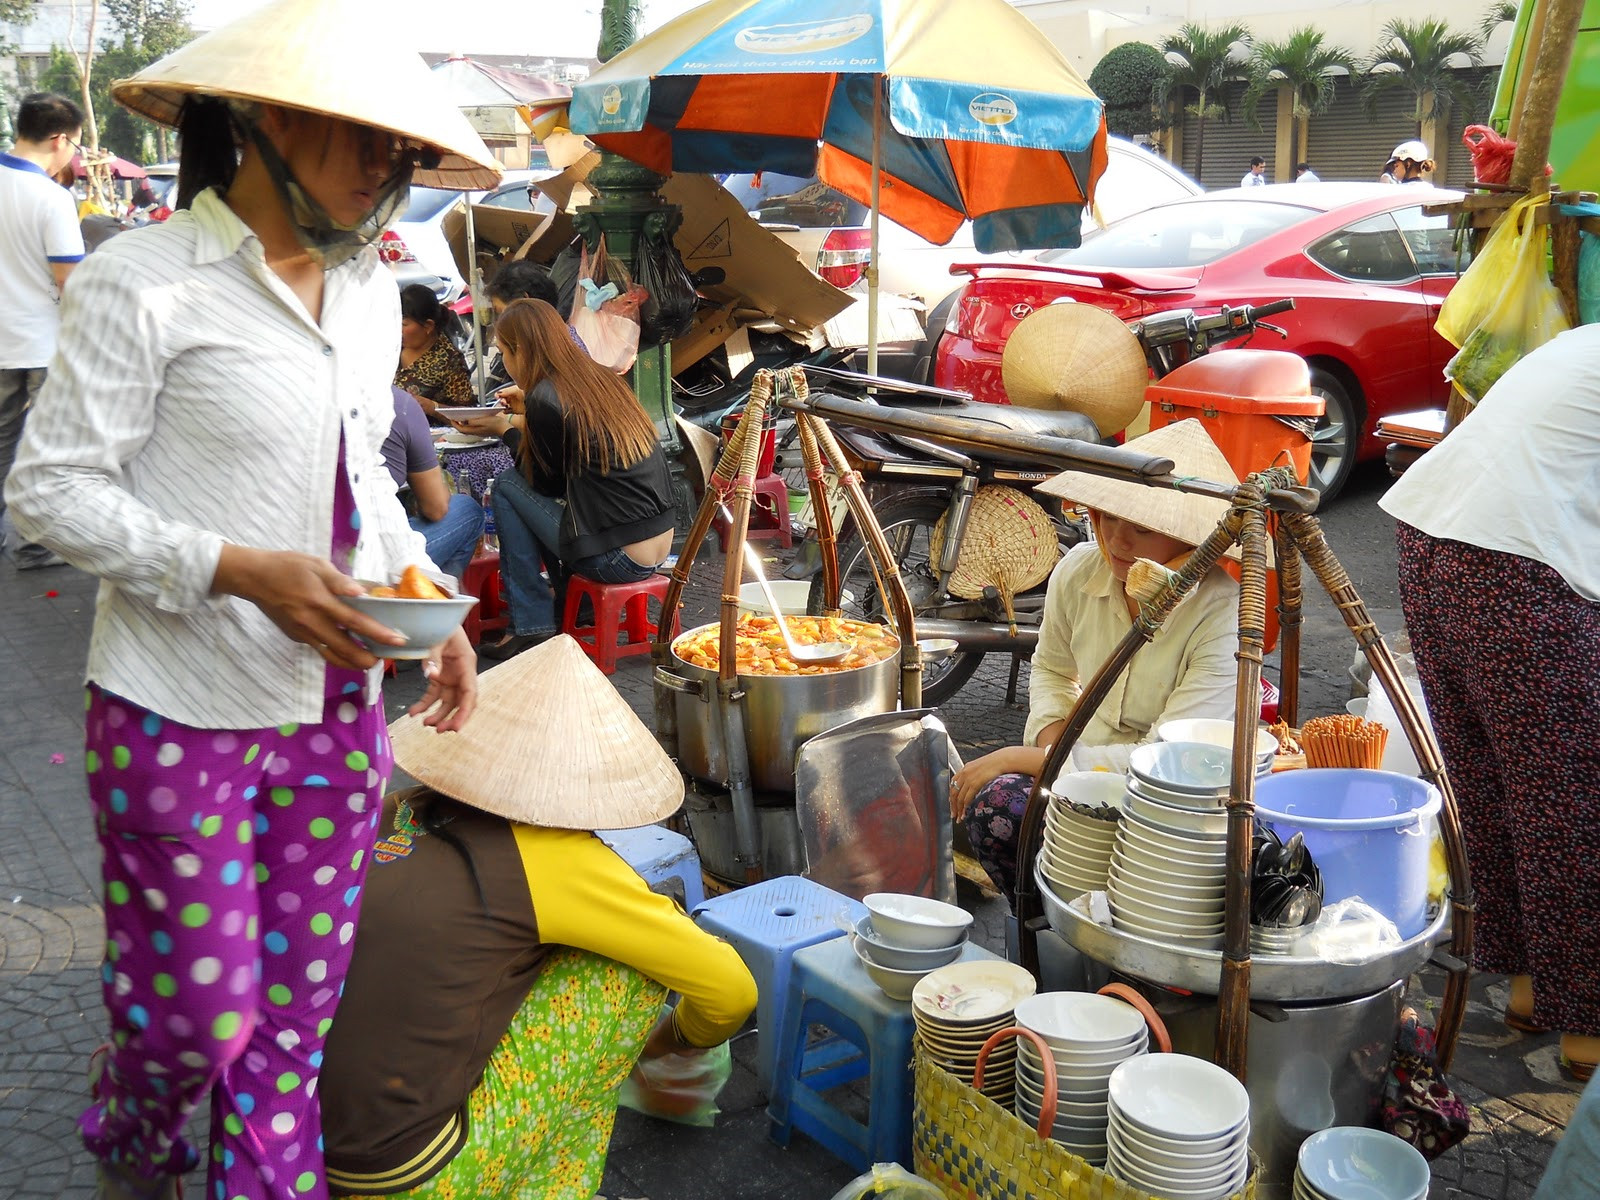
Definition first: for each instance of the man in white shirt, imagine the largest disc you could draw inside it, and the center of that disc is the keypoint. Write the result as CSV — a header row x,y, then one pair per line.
x,y
1304,174
1256,176
40,243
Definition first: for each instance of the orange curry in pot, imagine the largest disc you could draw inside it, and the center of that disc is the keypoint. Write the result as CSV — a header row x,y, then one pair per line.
x,y
762,650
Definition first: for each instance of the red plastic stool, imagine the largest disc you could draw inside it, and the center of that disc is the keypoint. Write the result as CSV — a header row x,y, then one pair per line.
x,y
769,513
482,579
619,608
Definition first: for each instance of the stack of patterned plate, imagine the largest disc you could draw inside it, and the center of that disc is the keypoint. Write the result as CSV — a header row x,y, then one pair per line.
x,y
1080,825
1089,1037
1350,1163
1179,1128
958,1007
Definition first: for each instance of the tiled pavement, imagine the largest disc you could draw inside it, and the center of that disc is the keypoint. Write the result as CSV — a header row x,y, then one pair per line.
x,y
50,938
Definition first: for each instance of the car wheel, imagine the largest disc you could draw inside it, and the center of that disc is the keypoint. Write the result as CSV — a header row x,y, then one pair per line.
x,y
1338,433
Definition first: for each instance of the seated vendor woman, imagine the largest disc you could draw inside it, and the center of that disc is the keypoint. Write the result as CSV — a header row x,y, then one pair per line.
x,y
1187,670
590,494
509,968
430,367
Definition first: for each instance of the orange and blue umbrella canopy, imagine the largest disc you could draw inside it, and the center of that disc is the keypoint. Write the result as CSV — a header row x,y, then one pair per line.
x,y
977,116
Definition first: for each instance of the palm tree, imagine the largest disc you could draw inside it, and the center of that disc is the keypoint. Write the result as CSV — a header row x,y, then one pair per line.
x,y
1201,60
1419,56
1494,16
1305,64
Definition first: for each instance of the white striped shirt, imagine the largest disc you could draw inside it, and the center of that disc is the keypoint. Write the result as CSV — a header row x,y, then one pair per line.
x,y
193,401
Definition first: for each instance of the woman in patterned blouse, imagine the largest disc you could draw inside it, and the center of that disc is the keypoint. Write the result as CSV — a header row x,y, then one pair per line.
x,y
431,368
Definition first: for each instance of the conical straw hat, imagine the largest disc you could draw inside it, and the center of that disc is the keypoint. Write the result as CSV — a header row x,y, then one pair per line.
x,y
1177,514
322,56
552,743
1076,357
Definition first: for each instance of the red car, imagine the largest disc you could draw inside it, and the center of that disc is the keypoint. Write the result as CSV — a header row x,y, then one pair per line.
x,y
1366,268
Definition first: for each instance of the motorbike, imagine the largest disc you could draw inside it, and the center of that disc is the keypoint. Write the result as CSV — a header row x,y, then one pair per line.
x,y
918,486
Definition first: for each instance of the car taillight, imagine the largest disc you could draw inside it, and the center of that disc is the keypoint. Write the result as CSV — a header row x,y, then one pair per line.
x,y
843,259
392,248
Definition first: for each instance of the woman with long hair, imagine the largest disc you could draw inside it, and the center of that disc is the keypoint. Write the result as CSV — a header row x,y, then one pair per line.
x,y
208,444
590,494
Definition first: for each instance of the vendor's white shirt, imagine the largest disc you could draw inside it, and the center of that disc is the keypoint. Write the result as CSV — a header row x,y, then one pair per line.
x,y
1521,474
195,402
38,226
1189,668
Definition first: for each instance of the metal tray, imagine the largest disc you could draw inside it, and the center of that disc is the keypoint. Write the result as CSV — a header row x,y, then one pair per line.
x,y
1273,978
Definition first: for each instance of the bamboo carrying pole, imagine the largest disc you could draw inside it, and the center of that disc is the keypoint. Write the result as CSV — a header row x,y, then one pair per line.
x,y
1558,22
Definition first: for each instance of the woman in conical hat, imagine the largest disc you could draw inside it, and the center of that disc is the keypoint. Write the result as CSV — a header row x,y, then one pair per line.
x,y
208,444
1187,670
534,958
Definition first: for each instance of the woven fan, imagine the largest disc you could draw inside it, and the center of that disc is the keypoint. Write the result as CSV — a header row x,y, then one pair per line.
x,y
1010,545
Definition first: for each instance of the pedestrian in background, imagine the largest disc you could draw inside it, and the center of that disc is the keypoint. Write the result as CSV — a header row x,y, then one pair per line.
x,y
1256,176
1304,174
1500,585
40,244
1408,163
208,444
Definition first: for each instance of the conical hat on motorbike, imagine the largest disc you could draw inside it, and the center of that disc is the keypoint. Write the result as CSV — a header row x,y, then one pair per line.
x,y
329,57
1077,357
1010,544
1188,518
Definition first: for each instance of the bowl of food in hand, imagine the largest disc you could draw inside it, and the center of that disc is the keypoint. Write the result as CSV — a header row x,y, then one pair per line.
x,y
415,607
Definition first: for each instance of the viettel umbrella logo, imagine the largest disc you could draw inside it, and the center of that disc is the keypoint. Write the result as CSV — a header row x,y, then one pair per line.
x,y
611,100
808,37
991,108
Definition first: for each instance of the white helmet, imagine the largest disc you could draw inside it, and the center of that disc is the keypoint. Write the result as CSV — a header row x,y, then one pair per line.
x,y
1414,150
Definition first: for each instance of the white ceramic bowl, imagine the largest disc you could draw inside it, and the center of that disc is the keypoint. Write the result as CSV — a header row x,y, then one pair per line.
x,y
1175,818
1125,918
1193,843
895,984
1080,1020
1091,1057
1095,789
1191,1173
916,922
1216,1188
1133,1143
1168,858
1074,832
1188,767
1214,732
1179,1096
1363,1164
1165,883
1086,860
897,959
425,623
1177,911
1150,1143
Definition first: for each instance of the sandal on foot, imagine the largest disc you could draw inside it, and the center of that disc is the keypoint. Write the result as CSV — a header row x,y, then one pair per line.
x,y
510,647
1522,1023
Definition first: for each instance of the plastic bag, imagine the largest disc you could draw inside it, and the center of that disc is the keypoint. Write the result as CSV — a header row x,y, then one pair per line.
x,y
679,1087
605,310
891,1181
1491,154
1350,931
670,301
1518,309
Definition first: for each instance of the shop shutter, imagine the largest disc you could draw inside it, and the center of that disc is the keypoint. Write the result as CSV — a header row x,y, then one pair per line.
x,y
1349,143
1232,141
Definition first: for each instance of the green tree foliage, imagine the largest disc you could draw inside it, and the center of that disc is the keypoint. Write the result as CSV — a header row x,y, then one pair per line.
x,y
146,30
1126,79
1495,16
1202,61
1420,57
1308,66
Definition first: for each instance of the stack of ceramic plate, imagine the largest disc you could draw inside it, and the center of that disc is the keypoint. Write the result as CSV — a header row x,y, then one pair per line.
x,y
1349,1163
1088,1036
903,937
1179,1128
1080,826
958,1007
1219,733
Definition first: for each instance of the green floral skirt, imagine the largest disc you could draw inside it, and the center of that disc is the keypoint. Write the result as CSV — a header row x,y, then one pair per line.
x,y
541,1119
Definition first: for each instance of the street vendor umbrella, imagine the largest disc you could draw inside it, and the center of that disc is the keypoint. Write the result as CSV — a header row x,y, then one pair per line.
x,y
120,168
928,111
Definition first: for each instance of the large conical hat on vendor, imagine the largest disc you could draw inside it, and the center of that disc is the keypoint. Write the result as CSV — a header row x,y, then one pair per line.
x,y
1177,514
551,743
322,56
1080,358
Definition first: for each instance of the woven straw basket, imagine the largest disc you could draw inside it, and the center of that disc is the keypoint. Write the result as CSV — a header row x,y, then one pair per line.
x,y
973,1149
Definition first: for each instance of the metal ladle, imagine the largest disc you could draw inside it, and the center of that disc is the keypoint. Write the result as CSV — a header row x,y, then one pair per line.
x,y
823,653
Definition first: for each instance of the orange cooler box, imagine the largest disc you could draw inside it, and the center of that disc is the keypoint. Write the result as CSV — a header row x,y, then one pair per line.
x,y
1256,405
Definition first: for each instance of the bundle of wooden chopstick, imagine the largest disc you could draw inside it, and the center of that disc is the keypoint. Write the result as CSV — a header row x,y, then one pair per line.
x,y
1343,741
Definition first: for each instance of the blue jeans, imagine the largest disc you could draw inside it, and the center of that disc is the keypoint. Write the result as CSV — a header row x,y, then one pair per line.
x,y
453,537
529,528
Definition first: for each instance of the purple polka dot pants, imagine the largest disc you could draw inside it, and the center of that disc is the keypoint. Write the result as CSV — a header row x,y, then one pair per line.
x,y
233,864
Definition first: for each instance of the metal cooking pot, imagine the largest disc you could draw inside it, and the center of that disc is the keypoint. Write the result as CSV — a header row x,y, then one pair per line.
x,y
781,713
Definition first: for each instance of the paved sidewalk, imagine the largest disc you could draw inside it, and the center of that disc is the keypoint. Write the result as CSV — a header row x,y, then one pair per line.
x,y
51,936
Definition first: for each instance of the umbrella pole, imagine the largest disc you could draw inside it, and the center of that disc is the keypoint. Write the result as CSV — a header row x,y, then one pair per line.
x,y
872,263
475,288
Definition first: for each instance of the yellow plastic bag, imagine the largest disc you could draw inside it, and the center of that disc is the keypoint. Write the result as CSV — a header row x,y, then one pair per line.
x,y
1504,306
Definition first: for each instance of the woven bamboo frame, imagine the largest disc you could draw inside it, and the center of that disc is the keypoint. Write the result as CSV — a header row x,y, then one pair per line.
x,y
1296,536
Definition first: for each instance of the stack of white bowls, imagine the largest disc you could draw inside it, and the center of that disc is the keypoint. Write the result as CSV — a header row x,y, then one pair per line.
x,y
904,937
1179,1128
957,1008
1089,1037
1076,853
1212,732
1351,1163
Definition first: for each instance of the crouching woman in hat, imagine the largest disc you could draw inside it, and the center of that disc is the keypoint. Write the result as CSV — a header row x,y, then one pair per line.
x,y
1187,670
509,967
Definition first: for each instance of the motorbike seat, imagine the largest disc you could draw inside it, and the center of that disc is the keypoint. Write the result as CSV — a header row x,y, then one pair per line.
x,y
1033,421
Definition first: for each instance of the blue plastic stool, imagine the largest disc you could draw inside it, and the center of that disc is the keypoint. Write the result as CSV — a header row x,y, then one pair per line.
x,y
766,923
659,855
871,1038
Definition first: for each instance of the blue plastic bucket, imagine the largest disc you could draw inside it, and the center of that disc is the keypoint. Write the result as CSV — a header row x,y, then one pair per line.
x,y
1369,831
